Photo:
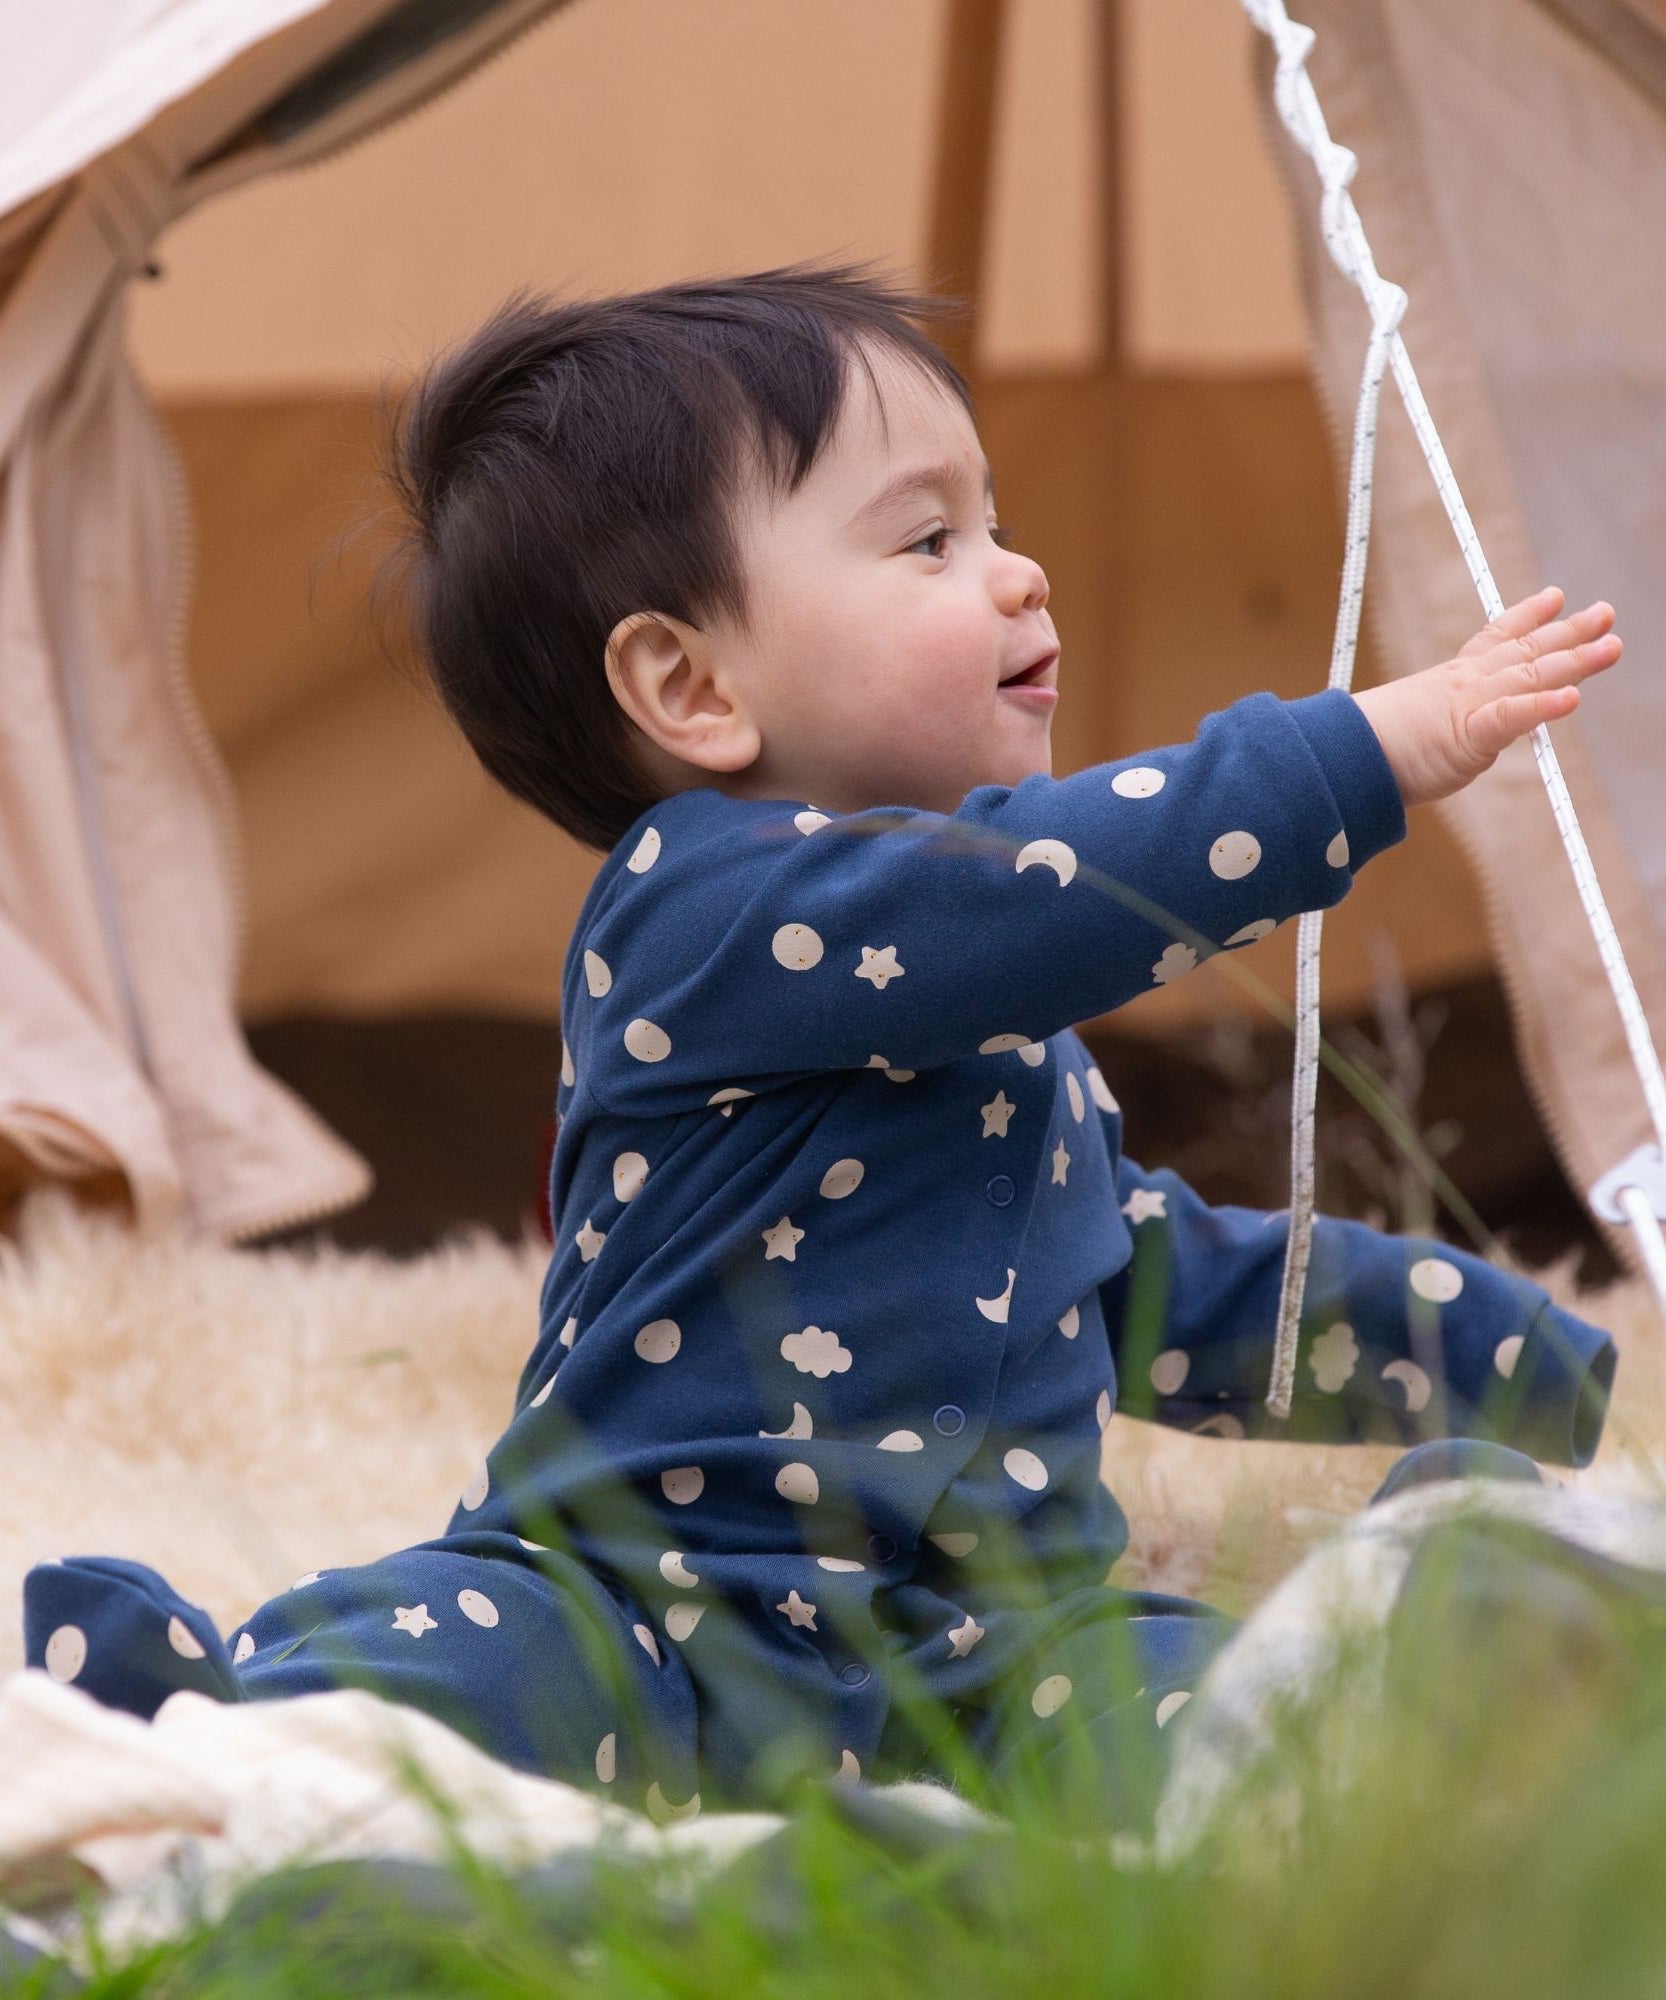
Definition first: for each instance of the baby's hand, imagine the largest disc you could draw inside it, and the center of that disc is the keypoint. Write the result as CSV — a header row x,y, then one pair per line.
x,y
1444,726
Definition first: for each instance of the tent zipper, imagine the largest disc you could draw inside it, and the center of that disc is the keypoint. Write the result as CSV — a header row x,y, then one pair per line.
x,y
1339,423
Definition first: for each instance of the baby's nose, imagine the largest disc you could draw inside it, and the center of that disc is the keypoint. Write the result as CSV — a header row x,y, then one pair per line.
x,y
1023,585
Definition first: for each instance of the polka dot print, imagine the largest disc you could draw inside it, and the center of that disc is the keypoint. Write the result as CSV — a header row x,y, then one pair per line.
x,y
477,1608
645,1639
1140,781
681,1619
646,1041
798,1482
645,853
1254,932
244,1649
1507,1354
598,976
1235,855
797,947
1051,1695
630,1170
1026,1468
183,1640
683,1484
607,1759
843,1178
674,1568
66,1653
1436,1279
659,1340
1171,1705
902,1441
1073,1090
1169,1371
474,1494
1337,852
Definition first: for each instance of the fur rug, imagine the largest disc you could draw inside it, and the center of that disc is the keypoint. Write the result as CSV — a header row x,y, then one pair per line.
x,y
237,1417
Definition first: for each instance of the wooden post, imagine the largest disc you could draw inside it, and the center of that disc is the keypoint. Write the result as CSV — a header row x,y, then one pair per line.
x,y
965,149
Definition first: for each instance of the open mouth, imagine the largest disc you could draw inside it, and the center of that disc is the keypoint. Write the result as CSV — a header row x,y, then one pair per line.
x,y
1033,680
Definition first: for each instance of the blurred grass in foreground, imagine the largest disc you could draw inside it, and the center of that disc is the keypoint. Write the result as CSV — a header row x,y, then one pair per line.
x,y
1475,1806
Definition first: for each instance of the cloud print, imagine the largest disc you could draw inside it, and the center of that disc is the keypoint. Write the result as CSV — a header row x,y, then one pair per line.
x,y
1334,1357
816,1351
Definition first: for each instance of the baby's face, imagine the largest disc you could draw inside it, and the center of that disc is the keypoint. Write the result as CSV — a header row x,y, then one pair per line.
x,y
883,619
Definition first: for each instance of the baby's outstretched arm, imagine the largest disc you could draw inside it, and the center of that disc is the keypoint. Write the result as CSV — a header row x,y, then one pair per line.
x,y
1445,726
748,942
1402,1337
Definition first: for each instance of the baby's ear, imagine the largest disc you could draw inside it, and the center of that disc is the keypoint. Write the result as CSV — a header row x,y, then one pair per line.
x,y
664,677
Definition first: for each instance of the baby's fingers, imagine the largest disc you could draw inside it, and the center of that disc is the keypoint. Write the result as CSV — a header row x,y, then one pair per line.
x,y
1515,621
1566,664
1499,723
1576,629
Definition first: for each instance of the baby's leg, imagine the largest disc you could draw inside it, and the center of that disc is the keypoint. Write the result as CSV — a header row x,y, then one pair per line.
x,y
1084,1725
524,1651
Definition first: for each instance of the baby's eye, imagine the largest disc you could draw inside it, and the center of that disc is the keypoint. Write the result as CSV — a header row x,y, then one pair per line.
x,y
936,535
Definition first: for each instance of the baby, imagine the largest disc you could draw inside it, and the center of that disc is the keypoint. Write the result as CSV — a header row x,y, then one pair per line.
x,y
850,1268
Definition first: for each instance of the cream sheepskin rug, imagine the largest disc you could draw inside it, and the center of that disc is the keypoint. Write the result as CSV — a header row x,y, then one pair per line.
x,y
237,1417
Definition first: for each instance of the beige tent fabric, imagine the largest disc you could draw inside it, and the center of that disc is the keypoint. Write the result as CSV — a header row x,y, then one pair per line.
x,y
122,1064
1510,178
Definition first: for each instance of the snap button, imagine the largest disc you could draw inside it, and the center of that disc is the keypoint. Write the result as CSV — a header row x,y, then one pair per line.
x,y
854,1675
949,1420
881,1548
1001,1190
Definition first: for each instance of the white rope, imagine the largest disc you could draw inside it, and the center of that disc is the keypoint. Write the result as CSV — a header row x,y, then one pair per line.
x,y
1344,235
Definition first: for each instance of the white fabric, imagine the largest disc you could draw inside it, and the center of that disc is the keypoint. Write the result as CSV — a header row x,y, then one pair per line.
x,y
1334,1609
166,1820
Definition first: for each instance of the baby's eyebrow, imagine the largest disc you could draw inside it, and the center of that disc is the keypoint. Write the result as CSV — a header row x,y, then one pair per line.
x,y
944,477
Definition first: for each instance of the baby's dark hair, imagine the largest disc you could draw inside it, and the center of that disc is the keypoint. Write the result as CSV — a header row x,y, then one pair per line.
x,y
577,460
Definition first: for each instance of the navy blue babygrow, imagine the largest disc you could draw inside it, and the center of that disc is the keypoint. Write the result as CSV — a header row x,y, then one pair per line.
x,y
849,1274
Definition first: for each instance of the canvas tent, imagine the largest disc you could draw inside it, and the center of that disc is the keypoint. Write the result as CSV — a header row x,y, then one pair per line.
x,y
120,1051
120,1056
1512,177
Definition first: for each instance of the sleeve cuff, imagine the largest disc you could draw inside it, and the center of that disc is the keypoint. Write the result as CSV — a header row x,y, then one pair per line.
x,y
1363,785
1561,1386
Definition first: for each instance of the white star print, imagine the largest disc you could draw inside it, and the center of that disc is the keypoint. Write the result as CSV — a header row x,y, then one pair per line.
x,y
783,1240
1144,1203
415,1620
1061,1164
797,1612
963,1637
589,1241
995,1116
879,966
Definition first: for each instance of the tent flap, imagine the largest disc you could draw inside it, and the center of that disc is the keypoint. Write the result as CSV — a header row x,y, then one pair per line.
x,y
121,1054
1511,177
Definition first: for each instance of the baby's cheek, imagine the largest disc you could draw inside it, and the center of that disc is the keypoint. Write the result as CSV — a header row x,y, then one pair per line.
x,y
954,656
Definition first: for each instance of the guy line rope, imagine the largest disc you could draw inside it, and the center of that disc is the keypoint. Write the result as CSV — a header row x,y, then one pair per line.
x,y
1634,1191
